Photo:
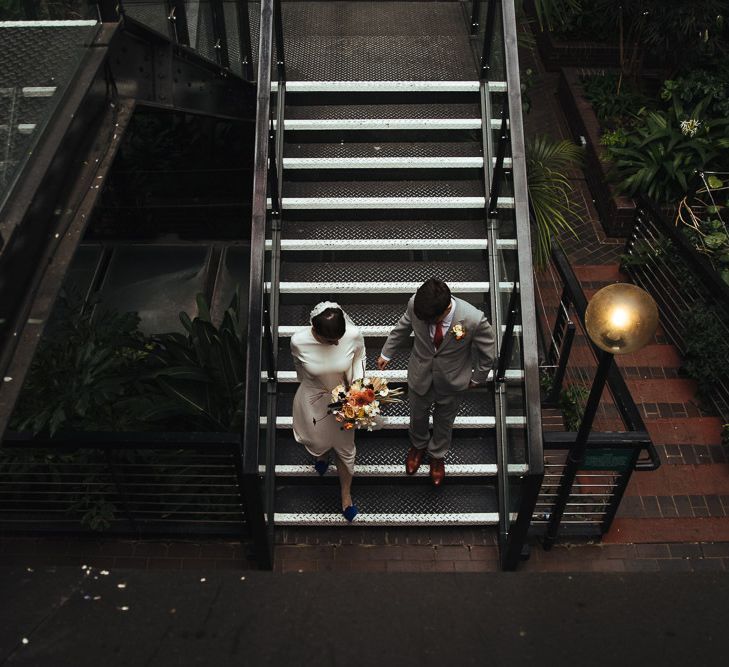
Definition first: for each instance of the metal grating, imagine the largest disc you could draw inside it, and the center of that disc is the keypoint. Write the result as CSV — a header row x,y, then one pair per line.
x,y
339,41
391,272
339,111
384,229
389,499
374,449
381,149
399,188
37,64
152,14
476,403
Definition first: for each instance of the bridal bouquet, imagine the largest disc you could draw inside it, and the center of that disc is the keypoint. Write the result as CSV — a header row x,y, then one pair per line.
x,y
359,405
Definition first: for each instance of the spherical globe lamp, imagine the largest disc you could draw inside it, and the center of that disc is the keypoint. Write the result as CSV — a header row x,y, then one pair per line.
x,y
621,318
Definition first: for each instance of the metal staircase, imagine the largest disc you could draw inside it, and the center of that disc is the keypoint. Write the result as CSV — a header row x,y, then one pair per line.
x,y
385,183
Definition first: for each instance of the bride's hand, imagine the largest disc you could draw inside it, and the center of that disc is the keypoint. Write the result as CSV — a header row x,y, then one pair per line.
x,y
382,363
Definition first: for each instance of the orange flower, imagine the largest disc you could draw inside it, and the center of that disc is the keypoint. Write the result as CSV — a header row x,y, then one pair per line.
x,y
364,397
348,426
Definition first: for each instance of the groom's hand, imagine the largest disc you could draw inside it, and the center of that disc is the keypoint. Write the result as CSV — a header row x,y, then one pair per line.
x,y
382,363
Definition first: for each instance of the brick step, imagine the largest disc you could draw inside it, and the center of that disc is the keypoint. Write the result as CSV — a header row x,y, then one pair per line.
x,y
687,431
648,531
655,355
674,480
608,273
679,390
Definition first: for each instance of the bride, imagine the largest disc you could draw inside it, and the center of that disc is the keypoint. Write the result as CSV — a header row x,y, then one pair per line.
x,y
328,352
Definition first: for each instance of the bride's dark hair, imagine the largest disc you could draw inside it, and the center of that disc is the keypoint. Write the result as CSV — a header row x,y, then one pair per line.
x,y
330,323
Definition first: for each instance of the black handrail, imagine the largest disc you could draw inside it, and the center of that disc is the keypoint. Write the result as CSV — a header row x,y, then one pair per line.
x,y
251,425
621,395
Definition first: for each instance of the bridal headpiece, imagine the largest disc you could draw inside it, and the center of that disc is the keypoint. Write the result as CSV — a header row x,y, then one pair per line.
x,y
321,307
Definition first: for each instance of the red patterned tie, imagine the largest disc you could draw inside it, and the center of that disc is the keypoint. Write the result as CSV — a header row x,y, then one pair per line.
x,y
438,336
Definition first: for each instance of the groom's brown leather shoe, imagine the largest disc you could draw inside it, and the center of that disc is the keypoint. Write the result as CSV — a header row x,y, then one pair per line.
x,y
415,458
437,471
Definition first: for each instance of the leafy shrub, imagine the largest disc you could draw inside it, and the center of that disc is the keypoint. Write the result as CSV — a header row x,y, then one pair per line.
x,y
549,190
663,153
706,356
87,375
572,400
613,100
696,85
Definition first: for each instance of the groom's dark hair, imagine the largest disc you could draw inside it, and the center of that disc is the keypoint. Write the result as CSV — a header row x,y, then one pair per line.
x,y
431,300
330,323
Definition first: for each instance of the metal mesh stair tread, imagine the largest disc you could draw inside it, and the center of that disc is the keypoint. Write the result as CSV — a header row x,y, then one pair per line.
x,y
383,149
336,111
383,229
377,449
364,314
396,188
390,499
366,272
342,19
475,404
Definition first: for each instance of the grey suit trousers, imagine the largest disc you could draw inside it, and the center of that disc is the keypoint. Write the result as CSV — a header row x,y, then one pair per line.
x,y
444,414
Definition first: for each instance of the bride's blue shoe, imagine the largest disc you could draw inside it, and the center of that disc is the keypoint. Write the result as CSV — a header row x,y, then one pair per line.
x,y
350,513
321,466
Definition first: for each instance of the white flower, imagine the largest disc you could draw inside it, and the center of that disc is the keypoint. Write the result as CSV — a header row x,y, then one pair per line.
x,y
690,127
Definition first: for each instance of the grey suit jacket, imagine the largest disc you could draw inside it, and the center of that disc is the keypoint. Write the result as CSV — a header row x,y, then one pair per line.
x,y
450,368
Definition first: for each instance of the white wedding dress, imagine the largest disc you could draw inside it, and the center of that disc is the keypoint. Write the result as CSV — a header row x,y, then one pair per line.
x,y
320,368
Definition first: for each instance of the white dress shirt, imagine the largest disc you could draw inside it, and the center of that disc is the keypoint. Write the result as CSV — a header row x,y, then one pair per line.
x,y
445,323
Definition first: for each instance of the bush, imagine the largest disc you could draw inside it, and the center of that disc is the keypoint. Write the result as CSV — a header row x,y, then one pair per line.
x,y
696,85
615,101
665,151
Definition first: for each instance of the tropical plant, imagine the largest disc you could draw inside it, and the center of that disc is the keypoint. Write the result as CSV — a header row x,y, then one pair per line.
x,y
201,373
698,84
549,191
706,357
572,401
664,152
614,101
87,374
553,14
703,219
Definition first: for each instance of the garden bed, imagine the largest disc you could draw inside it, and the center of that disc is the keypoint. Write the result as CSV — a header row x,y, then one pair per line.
x,y
616,212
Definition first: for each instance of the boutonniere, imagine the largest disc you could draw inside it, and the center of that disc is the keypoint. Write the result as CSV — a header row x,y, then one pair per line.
x,y
458,332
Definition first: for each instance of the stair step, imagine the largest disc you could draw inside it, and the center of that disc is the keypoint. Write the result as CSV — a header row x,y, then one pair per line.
x,y
381,287
382,453
376,124
393,230
388,86
377,318
413,149
338,107
399,375
397,470
390,244
368,331
389,505
403,421
363,203
444,162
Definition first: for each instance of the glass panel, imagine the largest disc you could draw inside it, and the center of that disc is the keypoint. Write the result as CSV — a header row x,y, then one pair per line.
x,y
39,60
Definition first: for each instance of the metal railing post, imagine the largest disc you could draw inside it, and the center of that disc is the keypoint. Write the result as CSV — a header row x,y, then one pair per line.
x,y
177,16
498,173
576,453
244,39
219,34
278,26
475,16
488,38
530,488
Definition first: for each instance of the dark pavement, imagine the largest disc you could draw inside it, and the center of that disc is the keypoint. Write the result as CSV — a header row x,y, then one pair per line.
x,y
136,617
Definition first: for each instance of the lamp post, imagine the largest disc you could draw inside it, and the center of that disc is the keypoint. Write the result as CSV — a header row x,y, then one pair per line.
x,y
620,319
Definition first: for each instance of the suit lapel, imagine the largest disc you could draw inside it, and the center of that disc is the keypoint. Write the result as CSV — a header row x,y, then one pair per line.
x,y
448,336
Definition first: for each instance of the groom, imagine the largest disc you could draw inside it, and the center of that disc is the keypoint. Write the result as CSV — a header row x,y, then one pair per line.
x,y
447,333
